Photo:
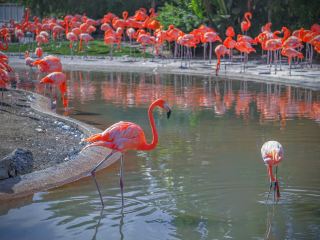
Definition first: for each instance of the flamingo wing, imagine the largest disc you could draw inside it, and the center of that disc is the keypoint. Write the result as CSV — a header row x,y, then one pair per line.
x,y
120,136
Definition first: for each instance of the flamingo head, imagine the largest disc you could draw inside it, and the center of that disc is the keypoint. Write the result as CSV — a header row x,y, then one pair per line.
x,y
161,103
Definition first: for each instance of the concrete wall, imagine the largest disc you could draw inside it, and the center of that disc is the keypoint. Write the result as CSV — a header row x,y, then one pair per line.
x,y
10,11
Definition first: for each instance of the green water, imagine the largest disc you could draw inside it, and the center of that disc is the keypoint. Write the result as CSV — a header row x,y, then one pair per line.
x,y
205,179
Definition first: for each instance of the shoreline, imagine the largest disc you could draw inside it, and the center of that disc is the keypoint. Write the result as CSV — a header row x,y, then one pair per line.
x,y
83,162
60,174
301,77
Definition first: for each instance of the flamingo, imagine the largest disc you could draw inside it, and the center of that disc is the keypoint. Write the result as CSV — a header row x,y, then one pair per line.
x,y
19,34
39,52
246,48
110,38
230,44
86,37
173,35
290,53
48,64
246,24
58,79
131,34
272,155
28,60
4,78
124,136
220,50
71,36
210,37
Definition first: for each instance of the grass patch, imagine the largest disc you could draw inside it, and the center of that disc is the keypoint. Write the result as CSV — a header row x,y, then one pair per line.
x,y
95,48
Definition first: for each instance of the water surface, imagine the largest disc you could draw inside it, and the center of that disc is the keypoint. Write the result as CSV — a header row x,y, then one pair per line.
x,y
205,180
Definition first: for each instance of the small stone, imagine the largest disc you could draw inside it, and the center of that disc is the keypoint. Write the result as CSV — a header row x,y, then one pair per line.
x,y
20,161
66,127
4,173
39,130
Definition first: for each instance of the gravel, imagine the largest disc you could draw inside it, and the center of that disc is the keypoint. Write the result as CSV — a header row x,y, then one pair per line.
x,y
50,141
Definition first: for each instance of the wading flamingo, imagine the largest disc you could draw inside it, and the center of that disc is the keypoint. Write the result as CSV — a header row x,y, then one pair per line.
x,y
220,51
290,53
28,60
58,79
272,155
48,64
124,136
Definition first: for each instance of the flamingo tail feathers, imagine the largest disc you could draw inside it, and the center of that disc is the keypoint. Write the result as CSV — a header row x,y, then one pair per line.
x,y
94,138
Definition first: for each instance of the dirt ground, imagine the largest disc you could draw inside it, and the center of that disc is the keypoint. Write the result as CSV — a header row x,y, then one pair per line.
x,y
50,141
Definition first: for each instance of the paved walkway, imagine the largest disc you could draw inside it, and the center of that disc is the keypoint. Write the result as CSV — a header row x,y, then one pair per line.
x,y
301,76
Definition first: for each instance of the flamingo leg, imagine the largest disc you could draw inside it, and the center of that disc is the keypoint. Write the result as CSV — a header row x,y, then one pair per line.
x,y
269,191
277,189
93,174
121,178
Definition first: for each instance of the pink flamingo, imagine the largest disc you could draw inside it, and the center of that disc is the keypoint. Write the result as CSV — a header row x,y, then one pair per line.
x,y
272,155
86,37
110,38
58,79
131,33
39,52
220,50
28,60
290,53
124,136
48,64
246,24
210,37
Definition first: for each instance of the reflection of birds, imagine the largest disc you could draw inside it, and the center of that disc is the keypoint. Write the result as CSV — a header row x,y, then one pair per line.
x,y
123,136
121,223
272,155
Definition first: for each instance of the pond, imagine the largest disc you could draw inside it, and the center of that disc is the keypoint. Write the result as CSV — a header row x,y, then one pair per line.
x,y
205,179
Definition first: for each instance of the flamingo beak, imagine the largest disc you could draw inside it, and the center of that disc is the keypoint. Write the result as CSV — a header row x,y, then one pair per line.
x,y
168,109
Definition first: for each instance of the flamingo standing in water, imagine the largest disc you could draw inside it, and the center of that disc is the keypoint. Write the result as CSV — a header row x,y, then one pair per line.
x,y
124,136
220,50
28,60
290,53
59,80
272,155
48,64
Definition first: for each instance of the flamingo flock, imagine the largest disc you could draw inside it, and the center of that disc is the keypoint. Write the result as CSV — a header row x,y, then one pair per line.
x,y
144,28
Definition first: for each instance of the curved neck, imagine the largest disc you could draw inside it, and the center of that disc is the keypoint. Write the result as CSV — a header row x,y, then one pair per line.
x,y
67,26
286,35
247,16
154,142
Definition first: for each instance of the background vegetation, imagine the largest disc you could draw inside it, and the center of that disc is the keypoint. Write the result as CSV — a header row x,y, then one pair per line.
x,y
188,14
